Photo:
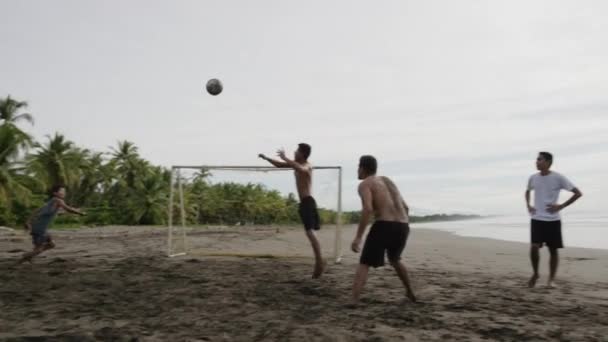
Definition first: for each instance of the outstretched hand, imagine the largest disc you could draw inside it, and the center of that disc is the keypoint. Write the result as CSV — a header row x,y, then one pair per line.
x,y
281,154
261,155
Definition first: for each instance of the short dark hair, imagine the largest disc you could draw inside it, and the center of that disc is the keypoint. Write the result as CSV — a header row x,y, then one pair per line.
x,y
546,156
369,164
305,149
54,189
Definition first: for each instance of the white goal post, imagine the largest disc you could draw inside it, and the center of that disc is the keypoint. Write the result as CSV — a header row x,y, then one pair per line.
x,y
177,178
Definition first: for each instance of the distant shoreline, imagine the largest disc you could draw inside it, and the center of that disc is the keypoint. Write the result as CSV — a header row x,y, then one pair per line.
x,y
347,219
444,218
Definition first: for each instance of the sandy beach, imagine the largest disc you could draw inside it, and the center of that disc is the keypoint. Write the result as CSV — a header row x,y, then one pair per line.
x,y
116,284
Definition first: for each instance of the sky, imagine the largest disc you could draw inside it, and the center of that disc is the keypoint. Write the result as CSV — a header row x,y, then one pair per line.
x,y
454,98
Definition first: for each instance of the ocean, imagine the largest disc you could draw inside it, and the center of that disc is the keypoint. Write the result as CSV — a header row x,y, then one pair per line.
x,y
588,231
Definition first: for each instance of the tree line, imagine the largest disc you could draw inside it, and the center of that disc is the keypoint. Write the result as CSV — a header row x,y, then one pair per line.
x,y
120,187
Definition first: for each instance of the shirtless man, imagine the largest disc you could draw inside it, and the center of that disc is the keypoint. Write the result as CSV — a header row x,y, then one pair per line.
x,y
308,206
381,198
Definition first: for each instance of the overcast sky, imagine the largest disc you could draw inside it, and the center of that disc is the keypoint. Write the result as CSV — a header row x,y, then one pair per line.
x,y
455,98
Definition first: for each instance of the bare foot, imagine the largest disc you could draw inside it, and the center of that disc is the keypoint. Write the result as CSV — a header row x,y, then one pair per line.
x,y
21,261
532,281
24,259
410,296
319,269
551,284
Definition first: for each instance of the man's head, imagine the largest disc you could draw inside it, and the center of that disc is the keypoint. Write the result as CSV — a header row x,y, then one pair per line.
x,y
58,190
367,166
302,153
544,161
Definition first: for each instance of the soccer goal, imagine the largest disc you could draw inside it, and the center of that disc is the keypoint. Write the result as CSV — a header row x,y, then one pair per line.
x,y
327,189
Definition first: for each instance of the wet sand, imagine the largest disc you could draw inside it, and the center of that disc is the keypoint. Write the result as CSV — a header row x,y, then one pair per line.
x,y
116,284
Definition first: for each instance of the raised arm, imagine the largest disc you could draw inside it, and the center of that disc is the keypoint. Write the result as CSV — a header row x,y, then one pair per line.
x,y
274,162
367,210
291,163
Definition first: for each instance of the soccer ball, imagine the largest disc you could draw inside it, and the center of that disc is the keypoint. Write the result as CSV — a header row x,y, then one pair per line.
x,y
214,86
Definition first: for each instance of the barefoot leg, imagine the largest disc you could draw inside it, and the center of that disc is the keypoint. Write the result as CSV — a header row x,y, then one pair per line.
x,y
316,247
30,255
359,282
402,273
553,263
534,259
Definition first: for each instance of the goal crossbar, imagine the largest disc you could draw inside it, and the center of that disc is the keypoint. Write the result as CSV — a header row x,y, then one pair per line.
x,y
176,176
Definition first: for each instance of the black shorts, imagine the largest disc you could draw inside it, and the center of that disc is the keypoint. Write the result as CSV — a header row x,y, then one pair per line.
x,y
309,214
384,236
546,233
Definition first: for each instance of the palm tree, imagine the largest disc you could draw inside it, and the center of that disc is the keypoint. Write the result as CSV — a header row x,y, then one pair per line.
x,y
150,201
13,186
13,181
95,178
57,162
10,116
13,141
9,111
127,162
9,144
139,192
202,175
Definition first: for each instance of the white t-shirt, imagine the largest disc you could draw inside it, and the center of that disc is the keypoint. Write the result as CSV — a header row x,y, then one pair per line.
x,y
546,191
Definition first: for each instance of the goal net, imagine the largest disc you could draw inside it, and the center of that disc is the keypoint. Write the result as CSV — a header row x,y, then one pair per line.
x,y
216,203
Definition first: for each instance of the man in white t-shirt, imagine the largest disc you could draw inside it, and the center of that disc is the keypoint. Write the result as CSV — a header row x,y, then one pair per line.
x,y
546,224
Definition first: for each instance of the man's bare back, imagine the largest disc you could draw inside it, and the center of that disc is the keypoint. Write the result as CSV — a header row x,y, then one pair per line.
x,y
388,235
386,199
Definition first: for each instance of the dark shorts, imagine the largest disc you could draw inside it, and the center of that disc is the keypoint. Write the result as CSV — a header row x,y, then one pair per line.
x,y
39,239
384,236
546,233
309,214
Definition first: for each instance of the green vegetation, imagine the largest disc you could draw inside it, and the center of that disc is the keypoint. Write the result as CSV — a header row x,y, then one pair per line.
x,y
119,186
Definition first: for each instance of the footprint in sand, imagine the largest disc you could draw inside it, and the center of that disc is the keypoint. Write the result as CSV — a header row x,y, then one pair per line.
x,y
54,273
309,291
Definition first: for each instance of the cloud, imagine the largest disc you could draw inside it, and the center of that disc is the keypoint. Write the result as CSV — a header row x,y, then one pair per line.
x,y
454,98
